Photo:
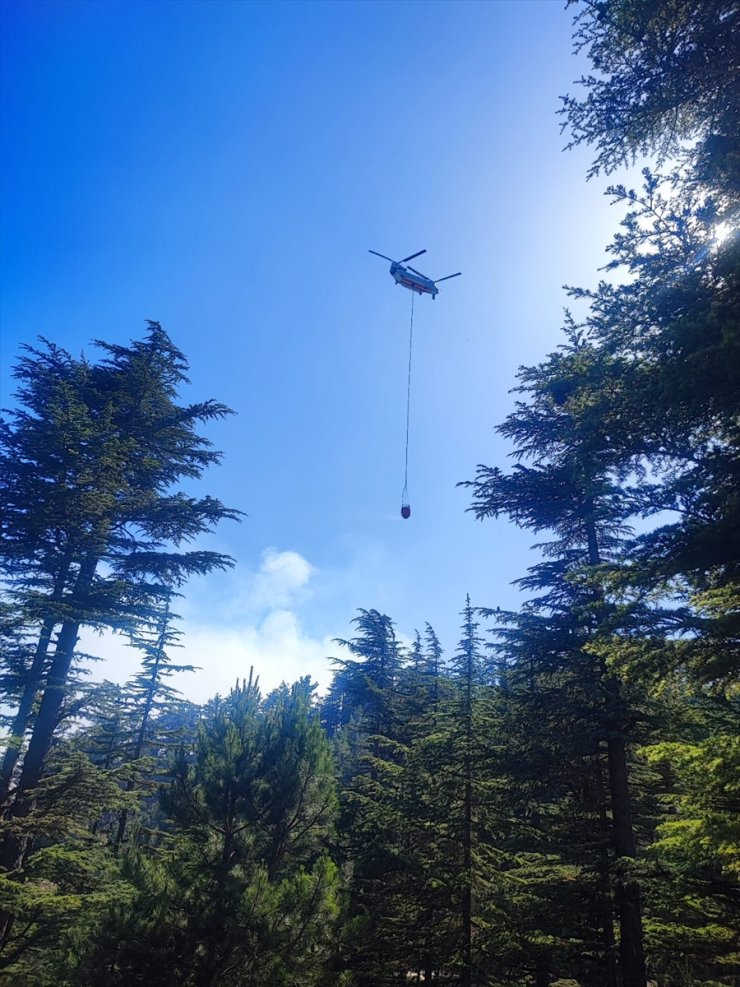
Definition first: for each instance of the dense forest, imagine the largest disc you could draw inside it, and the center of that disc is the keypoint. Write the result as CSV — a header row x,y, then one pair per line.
x,y
552,802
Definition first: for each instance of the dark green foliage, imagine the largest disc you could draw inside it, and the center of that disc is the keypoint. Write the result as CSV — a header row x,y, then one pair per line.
x,y
554,788
148,734
70,881
636,418
691,930
560,810
246,892
420,825
567,482
366,683
664,74
96,449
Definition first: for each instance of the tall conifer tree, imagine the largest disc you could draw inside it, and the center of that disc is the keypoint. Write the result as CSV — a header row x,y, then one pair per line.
x,y
98,450
565,483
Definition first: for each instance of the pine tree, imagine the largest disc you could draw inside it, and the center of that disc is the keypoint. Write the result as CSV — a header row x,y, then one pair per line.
x,y
149,695
466,665
696,856
251,891
71,880
664,82
552,783
97,450
463,747
569,487
368,689
420,828
419,679
38,458
367,681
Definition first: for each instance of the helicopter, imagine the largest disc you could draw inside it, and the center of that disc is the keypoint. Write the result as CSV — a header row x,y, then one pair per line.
x,y
412,279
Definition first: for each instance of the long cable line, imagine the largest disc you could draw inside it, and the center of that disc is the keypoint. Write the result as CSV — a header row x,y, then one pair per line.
x,y
405,508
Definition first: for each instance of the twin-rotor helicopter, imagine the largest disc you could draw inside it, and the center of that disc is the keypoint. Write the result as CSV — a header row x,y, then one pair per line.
x,y
420,284
412,279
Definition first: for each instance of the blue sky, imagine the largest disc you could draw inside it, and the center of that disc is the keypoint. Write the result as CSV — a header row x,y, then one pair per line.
x,y
223,168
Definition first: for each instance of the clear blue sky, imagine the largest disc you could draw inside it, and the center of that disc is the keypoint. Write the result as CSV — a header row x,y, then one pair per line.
x,y
223,168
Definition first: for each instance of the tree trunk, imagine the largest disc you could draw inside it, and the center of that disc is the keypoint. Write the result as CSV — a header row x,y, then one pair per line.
x,y
207,974
14,847
541,976
33,685
141,735
467,903
627,892
631,950
22,717
608,973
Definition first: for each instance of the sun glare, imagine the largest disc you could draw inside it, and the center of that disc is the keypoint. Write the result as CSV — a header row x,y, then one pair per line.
x,y
721,233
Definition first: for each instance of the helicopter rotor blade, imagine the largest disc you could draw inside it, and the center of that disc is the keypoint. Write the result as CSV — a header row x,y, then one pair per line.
x,y
418,272
448,276
381,255
411,257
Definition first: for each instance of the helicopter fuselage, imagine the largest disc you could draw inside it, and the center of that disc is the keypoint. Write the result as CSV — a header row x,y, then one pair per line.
x,y
413,281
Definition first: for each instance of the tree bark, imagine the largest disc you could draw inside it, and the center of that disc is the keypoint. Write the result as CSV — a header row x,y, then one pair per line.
x,y
25,706
33,685
14,848
627,891
608,973
141,734
16,845
467,902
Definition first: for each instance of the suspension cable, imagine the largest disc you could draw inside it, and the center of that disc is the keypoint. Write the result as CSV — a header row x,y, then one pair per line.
x,y
405,494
